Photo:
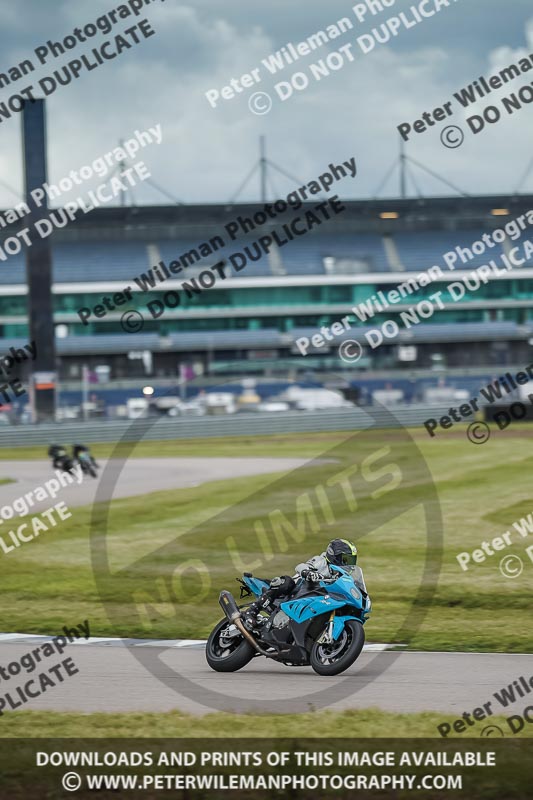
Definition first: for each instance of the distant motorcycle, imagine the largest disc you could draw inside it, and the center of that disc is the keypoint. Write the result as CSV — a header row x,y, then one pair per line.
x,y
87,463
321,625
60,458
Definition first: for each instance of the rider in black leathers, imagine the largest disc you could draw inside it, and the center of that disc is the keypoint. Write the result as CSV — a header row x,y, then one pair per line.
x,y
339,552
60,457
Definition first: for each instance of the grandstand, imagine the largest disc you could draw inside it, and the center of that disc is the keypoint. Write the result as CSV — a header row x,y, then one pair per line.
x,y
249,323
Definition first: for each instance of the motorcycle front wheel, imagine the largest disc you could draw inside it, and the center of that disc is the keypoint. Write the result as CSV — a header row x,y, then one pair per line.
x,y
225,652
332,659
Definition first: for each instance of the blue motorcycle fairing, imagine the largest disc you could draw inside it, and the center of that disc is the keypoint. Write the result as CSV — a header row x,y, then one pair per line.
x,y
340,593
338,625
307,607
256,585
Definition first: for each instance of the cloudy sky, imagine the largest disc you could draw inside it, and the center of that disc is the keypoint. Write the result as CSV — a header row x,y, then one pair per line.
x,y
206,153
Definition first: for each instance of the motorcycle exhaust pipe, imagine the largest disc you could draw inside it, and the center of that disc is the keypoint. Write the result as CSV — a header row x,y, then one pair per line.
x,y
231,610
229,606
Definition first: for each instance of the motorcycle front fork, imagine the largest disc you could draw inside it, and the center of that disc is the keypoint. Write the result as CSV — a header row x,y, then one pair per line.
x,y
327,635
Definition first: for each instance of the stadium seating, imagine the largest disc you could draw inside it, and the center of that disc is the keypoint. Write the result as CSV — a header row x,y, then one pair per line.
x,y
303,256
99,261
171,250
14,270
86,262
420,251
365,248
315,254
336,254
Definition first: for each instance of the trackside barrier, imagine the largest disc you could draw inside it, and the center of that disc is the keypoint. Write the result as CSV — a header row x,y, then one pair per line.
x,y
246,424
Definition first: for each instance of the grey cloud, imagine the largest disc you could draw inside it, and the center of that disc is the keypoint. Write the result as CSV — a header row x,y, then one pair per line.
x,y
206,152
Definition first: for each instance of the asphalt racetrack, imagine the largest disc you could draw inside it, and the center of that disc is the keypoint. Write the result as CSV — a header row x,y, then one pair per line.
x,y
111,679
117,676
138,476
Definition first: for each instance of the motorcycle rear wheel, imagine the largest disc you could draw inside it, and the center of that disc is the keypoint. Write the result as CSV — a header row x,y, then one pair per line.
x,y
332,659
227,654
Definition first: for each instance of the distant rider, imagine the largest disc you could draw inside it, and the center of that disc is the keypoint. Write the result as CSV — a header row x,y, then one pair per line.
x,y
77,449
59,456
339,553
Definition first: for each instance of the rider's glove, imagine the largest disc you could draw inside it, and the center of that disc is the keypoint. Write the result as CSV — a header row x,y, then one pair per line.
x,y
275,583
311,575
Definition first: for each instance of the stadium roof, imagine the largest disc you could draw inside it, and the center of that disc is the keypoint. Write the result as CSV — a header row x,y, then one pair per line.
x,y
361,215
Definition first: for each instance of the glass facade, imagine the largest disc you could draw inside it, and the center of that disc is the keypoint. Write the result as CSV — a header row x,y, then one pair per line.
x,y
280,307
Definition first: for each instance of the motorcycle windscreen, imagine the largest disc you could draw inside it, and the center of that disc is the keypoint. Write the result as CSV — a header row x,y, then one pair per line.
x,y
358,579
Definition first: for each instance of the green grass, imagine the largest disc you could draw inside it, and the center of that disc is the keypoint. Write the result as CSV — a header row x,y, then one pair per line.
x,y
171,552
3,481
284,445
368,723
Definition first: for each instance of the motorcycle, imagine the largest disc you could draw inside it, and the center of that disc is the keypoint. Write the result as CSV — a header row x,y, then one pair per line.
x,y
319,625
60,459
87,464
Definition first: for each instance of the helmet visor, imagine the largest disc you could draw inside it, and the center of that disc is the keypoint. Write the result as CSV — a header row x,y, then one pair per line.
x,y
348,561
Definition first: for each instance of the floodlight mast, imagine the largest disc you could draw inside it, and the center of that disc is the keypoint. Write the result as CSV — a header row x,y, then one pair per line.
x,y
43,378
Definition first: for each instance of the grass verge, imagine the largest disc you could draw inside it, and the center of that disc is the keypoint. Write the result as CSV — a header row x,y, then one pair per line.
x,y
371,723
171,552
